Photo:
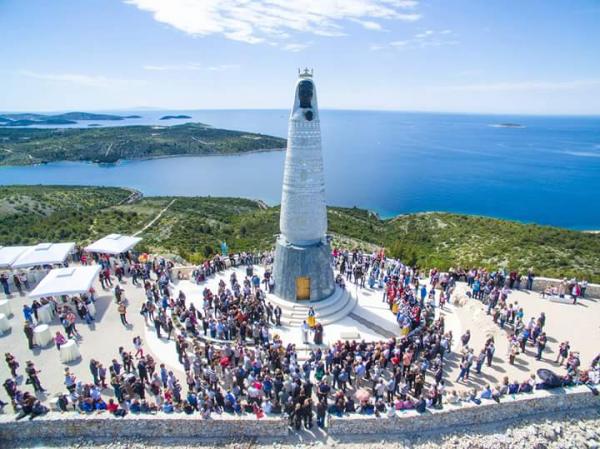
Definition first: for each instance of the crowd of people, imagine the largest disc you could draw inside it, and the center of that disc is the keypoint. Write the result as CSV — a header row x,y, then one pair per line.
x,y
234,361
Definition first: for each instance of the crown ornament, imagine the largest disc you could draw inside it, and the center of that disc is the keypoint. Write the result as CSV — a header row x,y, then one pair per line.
x,y
306,73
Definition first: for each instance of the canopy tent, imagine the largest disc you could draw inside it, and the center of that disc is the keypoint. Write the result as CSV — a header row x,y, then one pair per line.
x,y
9,254
44,254
66,281
113,244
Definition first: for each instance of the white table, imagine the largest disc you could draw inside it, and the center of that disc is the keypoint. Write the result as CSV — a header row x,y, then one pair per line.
x,y
4,324
69,351
44,313
42,335
5,307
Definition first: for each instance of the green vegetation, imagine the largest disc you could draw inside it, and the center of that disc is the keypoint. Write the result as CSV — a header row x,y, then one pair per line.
x,y
20,146
194,227
68,118
171,117
34,214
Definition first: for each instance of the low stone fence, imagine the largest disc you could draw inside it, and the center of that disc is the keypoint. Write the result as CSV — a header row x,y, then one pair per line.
x,y
61,428
69,426
540,284
458,418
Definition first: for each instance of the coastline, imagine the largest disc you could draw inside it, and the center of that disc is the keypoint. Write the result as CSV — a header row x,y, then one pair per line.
x,y
145,158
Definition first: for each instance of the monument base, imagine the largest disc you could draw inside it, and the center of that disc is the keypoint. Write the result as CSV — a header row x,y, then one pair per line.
x,y
303,273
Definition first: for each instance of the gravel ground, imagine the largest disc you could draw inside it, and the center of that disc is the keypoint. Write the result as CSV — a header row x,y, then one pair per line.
x,y
577,430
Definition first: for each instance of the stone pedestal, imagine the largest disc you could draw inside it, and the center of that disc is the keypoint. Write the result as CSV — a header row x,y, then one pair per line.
x,y
294,261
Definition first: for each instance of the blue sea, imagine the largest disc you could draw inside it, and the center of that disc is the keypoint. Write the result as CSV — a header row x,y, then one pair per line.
x,y
546,172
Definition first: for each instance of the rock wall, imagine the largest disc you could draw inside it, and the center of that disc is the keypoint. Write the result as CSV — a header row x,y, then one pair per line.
x,y
540,284
67,426
457,418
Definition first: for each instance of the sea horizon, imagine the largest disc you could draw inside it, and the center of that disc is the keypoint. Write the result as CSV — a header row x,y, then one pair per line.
x,y
118,111
388,162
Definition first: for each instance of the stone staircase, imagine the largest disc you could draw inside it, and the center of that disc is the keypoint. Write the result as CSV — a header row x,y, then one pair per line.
x,y
338,306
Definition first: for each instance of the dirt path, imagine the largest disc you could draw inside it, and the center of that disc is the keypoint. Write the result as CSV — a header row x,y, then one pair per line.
x,y
155,219
110,145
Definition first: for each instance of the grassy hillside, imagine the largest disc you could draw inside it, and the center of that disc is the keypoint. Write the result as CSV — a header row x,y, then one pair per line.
x,y
21,146
444,240
33,214
194,227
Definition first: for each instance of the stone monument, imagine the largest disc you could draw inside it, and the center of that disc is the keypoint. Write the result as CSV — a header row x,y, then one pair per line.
x,y
302,267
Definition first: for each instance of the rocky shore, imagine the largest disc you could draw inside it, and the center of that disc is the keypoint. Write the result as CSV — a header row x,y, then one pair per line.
x,y
575,430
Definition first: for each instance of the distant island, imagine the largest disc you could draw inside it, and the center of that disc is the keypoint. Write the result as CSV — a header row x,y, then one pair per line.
x,y
28,146
67,118
508,125
28,122
171,117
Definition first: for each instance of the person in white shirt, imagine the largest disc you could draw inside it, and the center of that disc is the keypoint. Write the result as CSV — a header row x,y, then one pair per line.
x,y
305,329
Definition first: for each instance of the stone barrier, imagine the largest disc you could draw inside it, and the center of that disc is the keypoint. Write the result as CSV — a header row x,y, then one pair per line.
x,y
70,426
541,283
459,418
65,427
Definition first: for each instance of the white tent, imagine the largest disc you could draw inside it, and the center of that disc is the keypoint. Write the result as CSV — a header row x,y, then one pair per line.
x,y
9,254
113,244
44,254
66,281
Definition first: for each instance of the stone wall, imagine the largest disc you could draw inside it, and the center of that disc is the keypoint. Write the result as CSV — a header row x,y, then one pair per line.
x,y
67,426
458,418
64,427
540,284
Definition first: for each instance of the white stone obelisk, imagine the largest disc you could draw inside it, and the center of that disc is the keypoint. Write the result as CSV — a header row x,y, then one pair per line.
x,y
303,217
302,254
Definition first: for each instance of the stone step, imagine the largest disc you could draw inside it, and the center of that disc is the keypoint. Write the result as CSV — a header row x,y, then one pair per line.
x,y
333,317
321,312
339,302
304,306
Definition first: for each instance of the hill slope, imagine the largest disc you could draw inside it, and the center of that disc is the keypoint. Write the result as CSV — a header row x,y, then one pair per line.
x,y
193,228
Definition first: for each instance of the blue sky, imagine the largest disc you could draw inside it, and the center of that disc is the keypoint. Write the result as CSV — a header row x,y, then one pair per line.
x,y
493,56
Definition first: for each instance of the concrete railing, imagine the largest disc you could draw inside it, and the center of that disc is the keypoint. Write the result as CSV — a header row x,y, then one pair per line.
x,y
458,418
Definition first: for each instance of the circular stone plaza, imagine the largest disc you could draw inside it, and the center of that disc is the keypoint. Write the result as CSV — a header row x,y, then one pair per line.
x,y
306,341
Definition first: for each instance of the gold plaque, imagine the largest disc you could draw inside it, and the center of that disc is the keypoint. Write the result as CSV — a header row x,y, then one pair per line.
x,y
302,288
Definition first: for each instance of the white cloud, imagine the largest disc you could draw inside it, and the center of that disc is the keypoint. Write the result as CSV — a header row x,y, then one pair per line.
x,y
427,38
174,67
79,79
223,67
399,44
525,86
424,34
273,20
370,25
191,66
295,47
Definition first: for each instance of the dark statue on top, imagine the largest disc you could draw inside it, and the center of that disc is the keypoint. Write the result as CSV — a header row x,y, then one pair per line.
x,y
305,95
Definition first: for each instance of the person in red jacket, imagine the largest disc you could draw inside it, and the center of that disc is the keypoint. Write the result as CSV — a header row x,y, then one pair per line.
x,y
112,406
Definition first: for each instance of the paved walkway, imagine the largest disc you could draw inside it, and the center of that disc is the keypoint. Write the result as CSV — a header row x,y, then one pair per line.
x,y
577,323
